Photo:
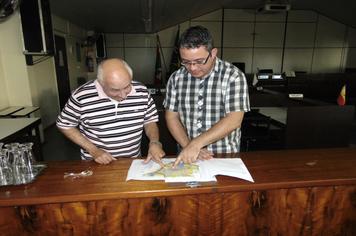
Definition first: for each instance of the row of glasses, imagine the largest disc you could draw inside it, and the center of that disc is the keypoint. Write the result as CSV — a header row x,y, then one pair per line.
x,y
17,164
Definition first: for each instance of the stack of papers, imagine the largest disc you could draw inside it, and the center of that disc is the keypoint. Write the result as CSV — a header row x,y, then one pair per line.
x,y
201,171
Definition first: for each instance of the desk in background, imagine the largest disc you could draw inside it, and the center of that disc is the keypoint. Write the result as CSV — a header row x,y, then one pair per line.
x,y
27,111
278,114
8,111
313,126
255,127
319,127
263,128
16,130
299,192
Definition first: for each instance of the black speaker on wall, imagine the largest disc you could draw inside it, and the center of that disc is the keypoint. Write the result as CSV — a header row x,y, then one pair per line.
x,y
100,46
36,24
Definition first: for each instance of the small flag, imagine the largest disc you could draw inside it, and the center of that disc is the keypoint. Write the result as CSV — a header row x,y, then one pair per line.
x,y
341,100
255,80
158,67
175,62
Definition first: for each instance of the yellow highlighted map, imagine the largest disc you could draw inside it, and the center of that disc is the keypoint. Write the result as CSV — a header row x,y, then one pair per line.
x,y
181,170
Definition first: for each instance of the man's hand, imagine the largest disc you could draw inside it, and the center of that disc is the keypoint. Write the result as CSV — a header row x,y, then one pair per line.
x,y
156,153
191,153
99,155
102,157
205,155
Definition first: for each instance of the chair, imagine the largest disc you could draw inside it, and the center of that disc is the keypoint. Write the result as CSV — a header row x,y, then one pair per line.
x,y
255,127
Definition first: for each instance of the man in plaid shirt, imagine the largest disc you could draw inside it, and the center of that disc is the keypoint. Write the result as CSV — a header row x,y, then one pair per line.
x,y
206,100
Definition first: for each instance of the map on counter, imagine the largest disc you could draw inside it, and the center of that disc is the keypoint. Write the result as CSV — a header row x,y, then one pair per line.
x,y
182,170
201,171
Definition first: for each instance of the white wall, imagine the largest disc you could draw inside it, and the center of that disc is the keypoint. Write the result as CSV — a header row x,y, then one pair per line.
x,y
301,41
313,43
22,85
14,78
139,51
43,75
4,97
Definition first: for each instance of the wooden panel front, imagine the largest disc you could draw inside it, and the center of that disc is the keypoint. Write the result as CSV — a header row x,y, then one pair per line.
x,y
333,210
271,212
184,215
299,211
296,192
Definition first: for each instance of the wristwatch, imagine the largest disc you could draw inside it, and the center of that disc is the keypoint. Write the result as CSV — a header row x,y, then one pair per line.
x,y
155,143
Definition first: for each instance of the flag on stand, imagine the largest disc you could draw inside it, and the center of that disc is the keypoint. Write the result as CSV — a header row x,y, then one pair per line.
x,y
158,67
175,62
341,100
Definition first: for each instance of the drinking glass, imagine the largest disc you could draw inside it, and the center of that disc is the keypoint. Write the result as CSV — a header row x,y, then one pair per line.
x,y
29,153
6,173
22,171
2,157
10,154
28,158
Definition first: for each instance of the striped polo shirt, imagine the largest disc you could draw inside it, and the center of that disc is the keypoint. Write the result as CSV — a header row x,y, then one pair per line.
x,y
114,126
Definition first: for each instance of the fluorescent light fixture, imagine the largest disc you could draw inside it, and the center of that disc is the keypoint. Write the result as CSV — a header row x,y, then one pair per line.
x,y
263,76
277,77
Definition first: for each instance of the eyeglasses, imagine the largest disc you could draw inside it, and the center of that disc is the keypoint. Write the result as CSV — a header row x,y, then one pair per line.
x,y
196,63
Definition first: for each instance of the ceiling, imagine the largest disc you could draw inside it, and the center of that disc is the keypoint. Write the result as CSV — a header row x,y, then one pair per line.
x,y
126,16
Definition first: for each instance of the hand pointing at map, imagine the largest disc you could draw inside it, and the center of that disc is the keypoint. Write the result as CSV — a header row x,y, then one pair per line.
x,y
191,153
158,160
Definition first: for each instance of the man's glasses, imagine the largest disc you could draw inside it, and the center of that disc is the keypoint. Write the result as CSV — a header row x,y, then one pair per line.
x,y
196,63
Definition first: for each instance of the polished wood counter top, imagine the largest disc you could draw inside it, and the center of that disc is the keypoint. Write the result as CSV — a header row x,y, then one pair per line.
x,y
270,170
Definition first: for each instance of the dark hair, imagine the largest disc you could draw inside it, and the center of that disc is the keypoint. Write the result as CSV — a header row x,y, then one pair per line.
x,y
195,37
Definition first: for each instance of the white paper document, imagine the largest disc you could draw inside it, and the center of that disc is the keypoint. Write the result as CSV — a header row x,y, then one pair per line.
x,y
201,171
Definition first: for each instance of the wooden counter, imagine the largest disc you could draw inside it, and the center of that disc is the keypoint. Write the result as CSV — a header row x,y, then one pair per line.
x,y
296,192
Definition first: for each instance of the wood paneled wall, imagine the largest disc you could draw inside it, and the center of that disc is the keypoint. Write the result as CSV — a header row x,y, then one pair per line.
x,y
297,211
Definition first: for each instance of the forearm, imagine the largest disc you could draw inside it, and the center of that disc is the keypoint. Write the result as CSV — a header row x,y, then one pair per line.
x,y
152,132
176,128
74,135
155,152
220,130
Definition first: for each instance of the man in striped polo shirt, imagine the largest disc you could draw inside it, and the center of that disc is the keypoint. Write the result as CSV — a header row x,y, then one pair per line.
x,y
106,116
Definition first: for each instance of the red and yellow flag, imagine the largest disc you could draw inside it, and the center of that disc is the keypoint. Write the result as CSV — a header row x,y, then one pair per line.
x,y
341,100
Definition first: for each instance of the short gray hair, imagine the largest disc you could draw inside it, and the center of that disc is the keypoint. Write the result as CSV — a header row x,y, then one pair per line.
x,y
100,73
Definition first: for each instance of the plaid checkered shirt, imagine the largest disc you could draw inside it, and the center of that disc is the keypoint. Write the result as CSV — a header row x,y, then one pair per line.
x,y
201,103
